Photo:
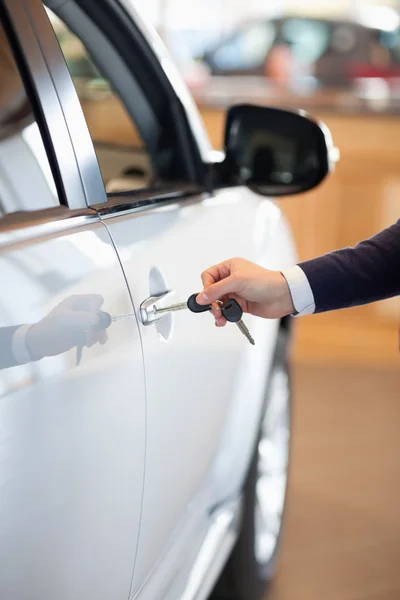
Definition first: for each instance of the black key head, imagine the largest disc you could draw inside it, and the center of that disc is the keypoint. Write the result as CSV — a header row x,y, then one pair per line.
x,y
232,311
194,307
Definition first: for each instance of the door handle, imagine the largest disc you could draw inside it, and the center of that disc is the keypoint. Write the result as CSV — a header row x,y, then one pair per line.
x,y
148,308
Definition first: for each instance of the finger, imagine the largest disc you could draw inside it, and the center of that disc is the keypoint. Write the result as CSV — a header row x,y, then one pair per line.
x,y
91,338
83,302
94,302
219,318
216,273
103,337
91,302
76,318
229,285
216,310
210,276
217,314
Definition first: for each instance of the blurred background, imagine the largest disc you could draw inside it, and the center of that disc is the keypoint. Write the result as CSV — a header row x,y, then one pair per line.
x,y
340,61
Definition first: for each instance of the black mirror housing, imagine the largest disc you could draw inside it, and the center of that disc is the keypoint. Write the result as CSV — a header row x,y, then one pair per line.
x,y
277,152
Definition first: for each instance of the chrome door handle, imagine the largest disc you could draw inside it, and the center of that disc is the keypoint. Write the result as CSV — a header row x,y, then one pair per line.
x,y
148,308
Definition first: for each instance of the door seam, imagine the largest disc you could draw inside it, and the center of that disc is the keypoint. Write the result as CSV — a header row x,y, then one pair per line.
x,y
145,411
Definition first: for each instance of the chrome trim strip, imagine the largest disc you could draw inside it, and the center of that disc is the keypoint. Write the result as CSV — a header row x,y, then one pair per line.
x,y
214,552
128,203
14,233
196,573
333,151
47,96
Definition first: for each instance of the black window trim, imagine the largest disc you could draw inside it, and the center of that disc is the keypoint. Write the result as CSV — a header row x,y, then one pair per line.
x,y
31,92
133,48
22,18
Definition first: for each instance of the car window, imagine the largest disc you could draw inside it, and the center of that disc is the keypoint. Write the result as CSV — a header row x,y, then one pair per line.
x,y
308,39
247,49
391,41
311,42
122,154
26,180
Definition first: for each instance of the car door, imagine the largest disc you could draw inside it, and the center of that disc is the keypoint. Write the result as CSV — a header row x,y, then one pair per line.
x,y
203,386
72,401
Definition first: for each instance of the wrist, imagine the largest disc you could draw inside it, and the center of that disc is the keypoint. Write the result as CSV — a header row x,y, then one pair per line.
x,y
19,347
32,342
285,299
300,290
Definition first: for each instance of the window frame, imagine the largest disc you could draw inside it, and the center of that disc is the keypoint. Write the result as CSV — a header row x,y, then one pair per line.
x,y
126,90
145,70
154,72
46,105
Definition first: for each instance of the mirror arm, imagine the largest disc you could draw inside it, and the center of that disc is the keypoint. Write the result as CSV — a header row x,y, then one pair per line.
x,y
223,174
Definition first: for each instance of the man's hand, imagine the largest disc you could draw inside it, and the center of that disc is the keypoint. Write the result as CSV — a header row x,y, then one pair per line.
x,y
68,325
260,292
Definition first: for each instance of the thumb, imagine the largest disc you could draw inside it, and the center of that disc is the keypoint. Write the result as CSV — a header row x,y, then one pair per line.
x,y
216,291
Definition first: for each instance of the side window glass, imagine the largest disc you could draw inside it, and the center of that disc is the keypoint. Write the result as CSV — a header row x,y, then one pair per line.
x,y
26,181
309,39
123,158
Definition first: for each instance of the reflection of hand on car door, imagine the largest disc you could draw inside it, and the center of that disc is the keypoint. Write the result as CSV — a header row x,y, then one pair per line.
x,y
76,321
69,324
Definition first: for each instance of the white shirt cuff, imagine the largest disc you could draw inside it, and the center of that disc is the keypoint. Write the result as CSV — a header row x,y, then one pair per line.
x,y
18,345
300,289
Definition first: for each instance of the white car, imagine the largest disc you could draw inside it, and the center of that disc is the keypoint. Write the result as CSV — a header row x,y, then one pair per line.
x,y
146,460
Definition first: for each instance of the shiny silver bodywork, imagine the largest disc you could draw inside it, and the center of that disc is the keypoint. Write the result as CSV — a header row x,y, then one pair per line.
x,y
121,477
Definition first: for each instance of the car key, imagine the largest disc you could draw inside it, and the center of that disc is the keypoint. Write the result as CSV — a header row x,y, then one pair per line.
x,y
232,311
191,304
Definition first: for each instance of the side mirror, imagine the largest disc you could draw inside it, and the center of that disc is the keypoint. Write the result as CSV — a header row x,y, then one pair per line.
x,y
277,152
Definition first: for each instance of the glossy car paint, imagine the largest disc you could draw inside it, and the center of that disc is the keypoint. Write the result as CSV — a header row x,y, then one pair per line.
x,y
72,436
205,387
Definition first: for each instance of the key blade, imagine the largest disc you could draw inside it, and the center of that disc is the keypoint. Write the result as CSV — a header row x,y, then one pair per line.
x,y
172,308
246,332
123,317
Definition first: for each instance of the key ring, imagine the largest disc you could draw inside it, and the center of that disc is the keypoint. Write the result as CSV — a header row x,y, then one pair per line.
x,y
219,304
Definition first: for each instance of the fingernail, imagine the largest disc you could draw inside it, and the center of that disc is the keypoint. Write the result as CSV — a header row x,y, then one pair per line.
x,y
202,297
217,324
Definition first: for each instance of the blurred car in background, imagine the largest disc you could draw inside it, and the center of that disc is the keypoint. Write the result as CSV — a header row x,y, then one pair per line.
x,y
331,52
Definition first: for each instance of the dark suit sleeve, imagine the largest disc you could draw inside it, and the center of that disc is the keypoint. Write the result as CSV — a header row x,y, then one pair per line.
x,y
6,356
353,276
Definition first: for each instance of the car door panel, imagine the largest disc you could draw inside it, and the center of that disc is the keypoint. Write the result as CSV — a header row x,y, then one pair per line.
x,y
201,382
72,437
72,425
